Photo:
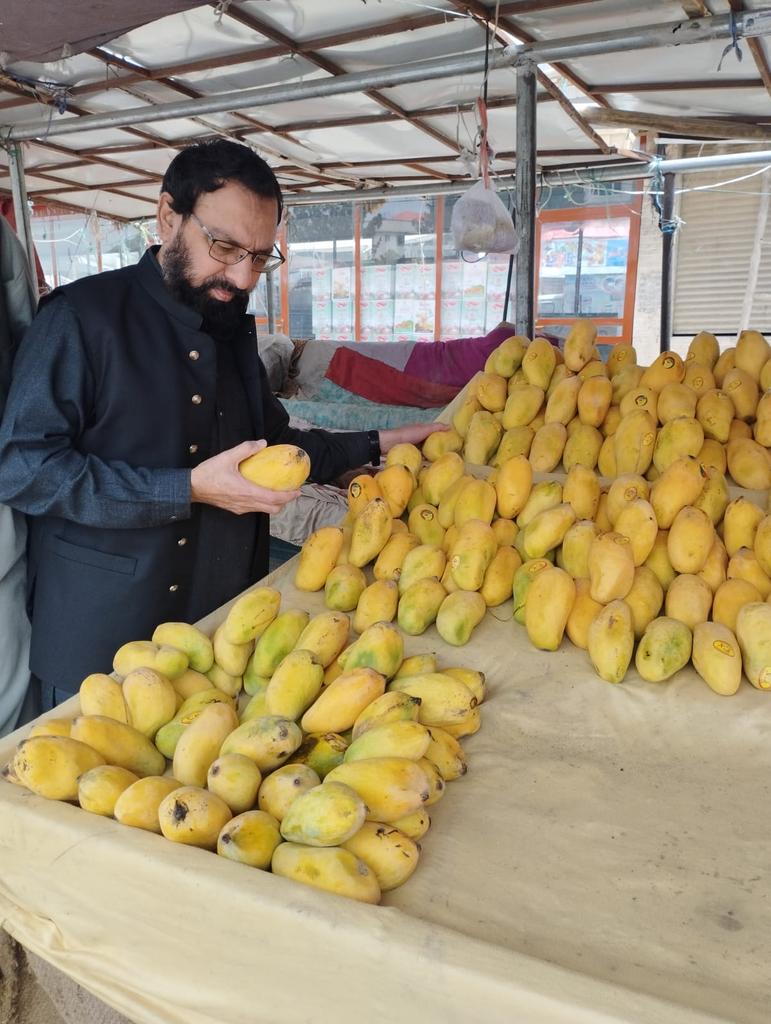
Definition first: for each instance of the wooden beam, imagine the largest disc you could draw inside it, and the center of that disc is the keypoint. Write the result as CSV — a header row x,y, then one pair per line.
x,y
675,86
698,127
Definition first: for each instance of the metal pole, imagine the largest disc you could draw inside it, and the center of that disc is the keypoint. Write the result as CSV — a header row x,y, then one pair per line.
x,y
20,205
667,239
743,24
269,303
524,295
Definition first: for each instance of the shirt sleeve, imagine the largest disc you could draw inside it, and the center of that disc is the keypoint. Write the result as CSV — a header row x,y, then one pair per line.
x,y
330,453
43,472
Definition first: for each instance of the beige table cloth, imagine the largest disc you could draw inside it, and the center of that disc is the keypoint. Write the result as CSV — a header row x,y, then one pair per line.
x,y
605,859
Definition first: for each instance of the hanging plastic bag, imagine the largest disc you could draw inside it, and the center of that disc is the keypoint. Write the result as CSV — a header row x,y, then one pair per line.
x,y
481,223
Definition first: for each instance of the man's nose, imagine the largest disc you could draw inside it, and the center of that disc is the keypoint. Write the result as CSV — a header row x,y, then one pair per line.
x,y
242,274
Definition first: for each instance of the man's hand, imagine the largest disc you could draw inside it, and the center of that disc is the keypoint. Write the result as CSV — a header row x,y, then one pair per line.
x,y
413,433
216,481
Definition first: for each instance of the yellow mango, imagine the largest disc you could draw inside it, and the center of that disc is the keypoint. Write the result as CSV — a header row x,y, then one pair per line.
x,y
440,475
582,613
414,825
547,530
443,441
482,439
573,555
713,572
236,780
515,441
345,548
753,631
167,737
269,741
513,485
624,380
538,362
703,348
547,447
51,727
712,456
611,567
477,500
391,787
445,513
691,536
388,565
231,685
749,463
471,678
549,603
256,707
490,391
325,636
522,405
326,815
752,352
594,400
742,388
436,785
621,355
423,562
744,565
676,401
370,531
714,498
765,376
463,415
640,397
581,491
377,603
390,854
730,596
717,658
606,459
200,743
250,838
507,357
459,615
195,644
594,368
601,519
637,522
698,378
282,634
392,739
146,654
100,694
193,816
472,553
658,560
419,605
318,557
279,467
150,700
446,754
523,579
424,525
332,869
231,658
251,614
725,362
380,647
499,577
505,532
282,787
392,706
100,787
645,599
715,413
739,429
688,599
665,648
138,805
624,491
416,664
50,766
762,429
633,442
579,344
679,485
610,641
562,403
361,490
405,454
396,484
677,439
295,685
668,368
582,447
444,699
339,704
190,683
762,544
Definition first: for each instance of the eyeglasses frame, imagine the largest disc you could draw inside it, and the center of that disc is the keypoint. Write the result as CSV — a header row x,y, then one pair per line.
x,y
275,254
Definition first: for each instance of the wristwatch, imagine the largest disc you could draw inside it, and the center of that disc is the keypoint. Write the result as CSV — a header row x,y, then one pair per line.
x,y
373,436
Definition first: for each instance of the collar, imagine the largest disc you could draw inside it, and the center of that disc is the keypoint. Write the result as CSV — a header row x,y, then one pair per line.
x,y
151,279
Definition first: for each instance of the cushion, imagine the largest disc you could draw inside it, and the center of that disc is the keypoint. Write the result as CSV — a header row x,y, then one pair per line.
x,y
276,352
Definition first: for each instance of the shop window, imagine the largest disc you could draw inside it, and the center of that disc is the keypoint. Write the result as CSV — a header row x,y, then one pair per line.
x,y
320,274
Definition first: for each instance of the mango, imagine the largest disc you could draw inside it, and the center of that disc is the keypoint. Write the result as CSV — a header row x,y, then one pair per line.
x,y
513,485
459,615
282,787
396,485
268,741
738,430
715,413
522,405
415,825
389,853
419,605
440,475
505,531
370,531
445,512
325,636
345,548
251,613
482,439
507,357
200,743
606,459
547,447
51,727
195,644
725,362
250,838
579,344
581,491
742,389
279,467
380,647
139,804
640,397
193,816
443,441
538,362
490,391
472,553
712,456
677,439
594,400
633,442
338,706
611,567
752,352
762,429
703,348
729,598
392,739
424,525
744,565
594,368
762,544
523,579
100,694
361,491
645,599
573,556
714,570
462,416
610,641
257,706
231,685
563,401
675,401
549,603
477,500
236,780
388,565
664,649
118,744
515,441
690,538
100,787
679,485
333,869
146,654
688,599
416,664
392,706
499,577
753,631
749,463
391,787
405,454
547,530
50,766
714,498
717,658
377,603
326,815
699,378
231,658
666,369
167,737
583,612
621,355
295,685
637,522
624,381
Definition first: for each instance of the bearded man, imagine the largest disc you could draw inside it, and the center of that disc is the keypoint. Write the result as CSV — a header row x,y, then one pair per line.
x,y
135,395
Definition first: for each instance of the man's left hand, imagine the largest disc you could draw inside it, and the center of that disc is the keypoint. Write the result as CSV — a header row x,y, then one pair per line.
x,y
413,433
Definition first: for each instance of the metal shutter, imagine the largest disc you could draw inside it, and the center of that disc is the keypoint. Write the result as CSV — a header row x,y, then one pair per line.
x,y
714,252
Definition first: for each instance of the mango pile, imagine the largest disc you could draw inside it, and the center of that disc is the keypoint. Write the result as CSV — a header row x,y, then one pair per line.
x,y
563,410
276,742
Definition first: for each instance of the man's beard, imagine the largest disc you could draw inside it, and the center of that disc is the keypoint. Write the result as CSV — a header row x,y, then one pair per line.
x,y
222,319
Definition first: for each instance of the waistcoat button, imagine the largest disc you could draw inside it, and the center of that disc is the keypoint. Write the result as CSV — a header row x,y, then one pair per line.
x,y
193,448
196,399
182,541
173,587
193,354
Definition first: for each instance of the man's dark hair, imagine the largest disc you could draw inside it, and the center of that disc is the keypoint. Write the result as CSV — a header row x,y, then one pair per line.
x,y
207,166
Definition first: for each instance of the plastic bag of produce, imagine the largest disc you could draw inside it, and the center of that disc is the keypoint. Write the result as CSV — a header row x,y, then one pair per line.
x,y
481,223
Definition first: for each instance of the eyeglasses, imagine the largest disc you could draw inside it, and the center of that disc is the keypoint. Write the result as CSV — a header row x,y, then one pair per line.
x,y
230,254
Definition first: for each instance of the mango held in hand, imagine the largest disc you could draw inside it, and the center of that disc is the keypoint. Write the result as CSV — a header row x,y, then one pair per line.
x,y
327,815
330,868
193,816
51,765
279,467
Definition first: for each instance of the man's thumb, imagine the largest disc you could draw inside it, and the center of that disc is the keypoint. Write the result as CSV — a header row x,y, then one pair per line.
x,y
247,448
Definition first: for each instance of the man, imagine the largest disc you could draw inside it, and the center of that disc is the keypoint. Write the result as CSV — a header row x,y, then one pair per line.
x,y
135,396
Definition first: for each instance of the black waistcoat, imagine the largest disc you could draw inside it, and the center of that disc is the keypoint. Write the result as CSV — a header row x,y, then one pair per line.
x,y
91,589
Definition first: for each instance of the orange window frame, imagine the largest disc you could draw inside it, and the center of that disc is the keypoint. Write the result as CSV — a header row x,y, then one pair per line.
x,y
632,211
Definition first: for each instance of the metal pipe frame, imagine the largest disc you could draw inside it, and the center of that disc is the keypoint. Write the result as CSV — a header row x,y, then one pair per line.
x,y
746,24
525,185
20,204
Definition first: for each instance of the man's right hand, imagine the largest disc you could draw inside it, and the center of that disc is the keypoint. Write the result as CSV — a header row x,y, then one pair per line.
x,y
217,481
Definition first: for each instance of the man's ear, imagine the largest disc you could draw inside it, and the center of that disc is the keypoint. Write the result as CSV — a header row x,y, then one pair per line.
x,y
168,220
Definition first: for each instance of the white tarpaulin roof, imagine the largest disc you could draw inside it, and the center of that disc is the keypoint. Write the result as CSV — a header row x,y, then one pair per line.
x,y
399,135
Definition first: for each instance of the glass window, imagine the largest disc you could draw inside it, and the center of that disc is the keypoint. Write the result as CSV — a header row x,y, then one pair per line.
x,y
321,287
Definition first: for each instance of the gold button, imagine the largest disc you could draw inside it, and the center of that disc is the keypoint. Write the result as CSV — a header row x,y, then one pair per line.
x,y
196,399
173,587
193,448
182,541
193,354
